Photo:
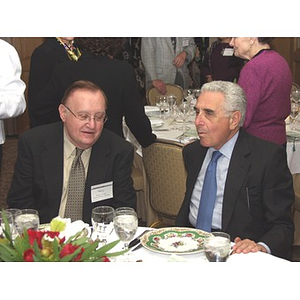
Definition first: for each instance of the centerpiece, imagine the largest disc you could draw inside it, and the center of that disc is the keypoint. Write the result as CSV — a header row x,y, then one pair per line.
x,y
50,245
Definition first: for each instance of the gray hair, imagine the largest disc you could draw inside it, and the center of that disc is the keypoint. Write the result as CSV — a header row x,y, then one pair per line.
x,y
235,98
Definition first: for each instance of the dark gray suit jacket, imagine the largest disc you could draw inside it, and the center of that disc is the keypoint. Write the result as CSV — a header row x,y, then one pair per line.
x,y
258,194
38,176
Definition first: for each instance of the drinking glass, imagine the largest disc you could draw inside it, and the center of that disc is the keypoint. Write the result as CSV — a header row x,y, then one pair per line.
x,y
10,221
125,225
14,212
102,221
294,111
27,218
184,108
217,247
162,103
295,96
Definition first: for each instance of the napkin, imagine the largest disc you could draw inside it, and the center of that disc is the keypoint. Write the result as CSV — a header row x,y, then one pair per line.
x,y
156,123
151,108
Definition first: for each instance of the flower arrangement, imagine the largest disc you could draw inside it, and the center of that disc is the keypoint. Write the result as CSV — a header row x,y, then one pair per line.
x,y
51,246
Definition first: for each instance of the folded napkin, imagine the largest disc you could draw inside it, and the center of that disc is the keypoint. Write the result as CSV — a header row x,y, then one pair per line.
x,y
156,123
151,108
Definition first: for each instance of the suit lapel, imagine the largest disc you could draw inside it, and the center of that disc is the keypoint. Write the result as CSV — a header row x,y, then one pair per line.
x,y
237,172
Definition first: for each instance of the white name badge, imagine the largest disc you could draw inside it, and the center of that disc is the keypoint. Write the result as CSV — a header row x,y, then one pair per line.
x,y
185,42
102,191
228,52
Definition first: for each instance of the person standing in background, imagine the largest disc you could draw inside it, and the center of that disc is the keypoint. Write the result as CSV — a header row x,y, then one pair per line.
x,y
166,59
12,99
44,59
220,63
267,81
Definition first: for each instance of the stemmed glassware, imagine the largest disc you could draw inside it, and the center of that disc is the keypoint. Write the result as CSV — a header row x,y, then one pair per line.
x,y
162,103
184,108
125,225
102,221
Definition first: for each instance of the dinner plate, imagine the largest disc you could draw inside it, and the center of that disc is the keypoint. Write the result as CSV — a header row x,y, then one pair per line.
x,y
175,240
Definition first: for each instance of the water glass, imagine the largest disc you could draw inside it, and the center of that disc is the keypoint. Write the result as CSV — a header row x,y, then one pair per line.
x,y
27,219
14,212
217,247
10,221
125,224
102,221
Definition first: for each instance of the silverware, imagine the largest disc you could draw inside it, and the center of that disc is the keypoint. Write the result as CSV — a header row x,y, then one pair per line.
x,y
137,240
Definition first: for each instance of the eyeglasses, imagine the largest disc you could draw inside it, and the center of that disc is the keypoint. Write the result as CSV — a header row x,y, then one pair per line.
x,y
100,117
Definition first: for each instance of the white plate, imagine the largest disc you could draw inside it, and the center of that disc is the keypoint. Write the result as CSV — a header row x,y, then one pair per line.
x,y
174,240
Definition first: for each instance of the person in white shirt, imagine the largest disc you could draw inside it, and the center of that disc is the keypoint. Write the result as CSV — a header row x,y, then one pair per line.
x,y
12,99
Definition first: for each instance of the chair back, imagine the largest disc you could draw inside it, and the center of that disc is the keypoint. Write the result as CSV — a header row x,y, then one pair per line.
x,y
166,176
172,89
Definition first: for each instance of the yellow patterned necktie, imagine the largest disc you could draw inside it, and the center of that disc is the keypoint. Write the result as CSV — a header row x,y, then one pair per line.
x,y
76,187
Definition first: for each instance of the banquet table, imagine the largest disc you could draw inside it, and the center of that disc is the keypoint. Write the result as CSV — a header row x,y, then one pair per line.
x,y
145,255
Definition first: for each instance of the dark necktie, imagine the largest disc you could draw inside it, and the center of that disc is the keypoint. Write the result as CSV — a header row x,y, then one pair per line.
x,y
208,195
76,188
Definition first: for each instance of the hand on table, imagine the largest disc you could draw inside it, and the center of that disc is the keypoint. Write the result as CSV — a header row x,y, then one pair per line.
x,y
247,246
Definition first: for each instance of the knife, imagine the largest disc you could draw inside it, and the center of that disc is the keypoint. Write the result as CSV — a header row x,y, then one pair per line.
x,y
137,239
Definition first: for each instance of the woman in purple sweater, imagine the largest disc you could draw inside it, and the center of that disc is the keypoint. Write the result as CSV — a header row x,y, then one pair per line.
x,y
267,80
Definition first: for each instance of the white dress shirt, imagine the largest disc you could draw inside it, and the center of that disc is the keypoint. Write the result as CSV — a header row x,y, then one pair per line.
x,y
12,100
222,168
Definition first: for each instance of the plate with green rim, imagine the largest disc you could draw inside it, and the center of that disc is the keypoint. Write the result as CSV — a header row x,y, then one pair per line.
x,y
175,240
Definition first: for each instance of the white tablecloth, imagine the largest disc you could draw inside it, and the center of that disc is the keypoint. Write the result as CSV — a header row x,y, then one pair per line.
x,y
147,256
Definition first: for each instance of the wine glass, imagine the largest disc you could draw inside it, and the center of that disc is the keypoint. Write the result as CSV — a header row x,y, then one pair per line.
x,y
294,111
27,218
162,103
184,108
102,221
125,225
217,247
295,96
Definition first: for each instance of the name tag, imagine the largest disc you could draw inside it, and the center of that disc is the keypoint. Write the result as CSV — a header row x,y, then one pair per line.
x,y
228,52
102,191
185,42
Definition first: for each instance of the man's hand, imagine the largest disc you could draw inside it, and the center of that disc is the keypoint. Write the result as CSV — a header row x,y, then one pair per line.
x,y
160,85
180,59
247,246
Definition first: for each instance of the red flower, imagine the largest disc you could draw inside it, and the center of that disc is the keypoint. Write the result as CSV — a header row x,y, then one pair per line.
x,y
69,249
38,235
28,255
105,259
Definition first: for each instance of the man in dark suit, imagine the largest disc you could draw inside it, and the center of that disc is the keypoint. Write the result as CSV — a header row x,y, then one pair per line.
x,y
45,156
254,186
115,78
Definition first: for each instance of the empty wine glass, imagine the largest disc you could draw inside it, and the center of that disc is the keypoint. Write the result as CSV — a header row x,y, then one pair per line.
x,y
184,108
295,96
125,225
162,103
294,111
102,221
27,218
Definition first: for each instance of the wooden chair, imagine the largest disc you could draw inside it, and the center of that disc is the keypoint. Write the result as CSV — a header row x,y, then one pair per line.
x,y
172,89
166,177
